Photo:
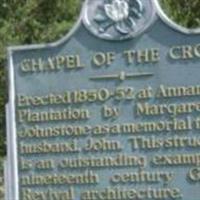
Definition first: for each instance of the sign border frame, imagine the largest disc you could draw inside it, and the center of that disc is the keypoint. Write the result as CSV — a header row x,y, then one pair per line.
x,y
12,176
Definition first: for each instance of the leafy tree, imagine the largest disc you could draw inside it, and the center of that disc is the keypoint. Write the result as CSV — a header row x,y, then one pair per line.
x,y
185,12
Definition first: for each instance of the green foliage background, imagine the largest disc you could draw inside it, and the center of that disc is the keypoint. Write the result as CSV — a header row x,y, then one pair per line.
x,y
185,12
39,21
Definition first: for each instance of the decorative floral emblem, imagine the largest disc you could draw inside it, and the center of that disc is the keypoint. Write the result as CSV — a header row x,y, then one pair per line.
x,y
117,11
118,19
121,14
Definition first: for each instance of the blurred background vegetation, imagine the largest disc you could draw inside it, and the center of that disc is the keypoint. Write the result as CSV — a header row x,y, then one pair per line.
x,y
39,21
185,12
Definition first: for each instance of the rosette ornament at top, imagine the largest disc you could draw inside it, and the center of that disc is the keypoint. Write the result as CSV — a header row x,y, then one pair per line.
x,y
121,14
118,19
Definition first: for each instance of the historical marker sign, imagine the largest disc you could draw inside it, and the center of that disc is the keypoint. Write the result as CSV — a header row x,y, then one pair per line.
x,y
110,112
